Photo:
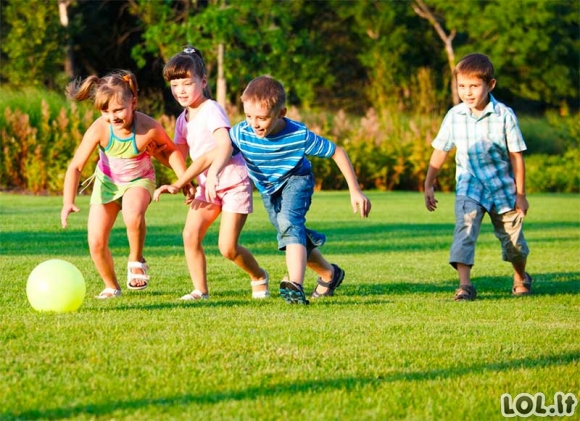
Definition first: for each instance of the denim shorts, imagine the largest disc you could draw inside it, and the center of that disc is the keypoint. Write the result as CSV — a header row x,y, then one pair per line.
x,y
508,228
287,209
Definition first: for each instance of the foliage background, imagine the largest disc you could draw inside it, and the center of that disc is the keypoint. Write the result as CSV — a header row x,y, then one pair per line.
x,y
374,76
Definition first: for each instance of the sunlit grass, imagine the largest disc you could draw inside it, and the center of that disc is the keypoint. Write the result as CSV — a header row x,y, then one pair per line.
x,y
392,344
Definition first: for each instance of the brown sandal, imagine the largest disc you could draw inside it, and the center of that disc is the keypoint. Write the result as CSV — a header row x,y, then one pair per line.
x,y
465,293
527,284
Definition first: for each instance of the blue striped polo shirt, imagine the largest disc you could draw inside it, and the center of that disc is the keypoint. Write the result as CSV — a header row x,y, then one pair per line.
x,y
273,159
484,172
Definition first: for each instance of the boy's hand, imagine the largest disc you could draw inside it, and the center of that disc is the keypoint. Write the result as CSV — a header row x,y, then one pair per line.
x,y
164,189
430,201
522,204
65,212
360,202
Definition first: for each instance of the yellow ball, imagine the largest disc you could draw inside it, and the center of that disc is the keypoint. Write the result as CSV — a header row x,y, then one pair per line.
x,y
56,285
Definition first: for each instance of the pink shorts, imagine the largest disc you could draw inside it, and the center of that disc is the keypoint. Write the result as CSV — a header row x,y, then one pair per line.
x,y
235,199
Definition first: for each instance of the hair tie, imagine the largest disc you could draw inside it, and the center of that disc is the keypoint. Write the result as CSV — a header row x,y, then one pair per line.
x,y
126,78
189,50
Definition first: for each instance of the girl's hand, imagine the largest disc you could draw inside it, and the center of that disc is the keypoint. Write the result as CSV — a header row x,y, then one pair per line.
x,y
211,185
164,189
189,193
65,212
153,148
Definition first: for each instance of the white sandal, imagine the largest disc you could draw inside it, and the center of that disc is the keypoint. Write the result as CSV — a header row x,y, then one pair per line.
x,y
108,293
261,294
195,295
137,276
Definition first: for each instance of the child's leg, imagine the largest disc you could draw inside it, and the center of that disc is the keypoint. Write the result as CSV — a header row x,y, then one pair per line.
x,y
322,267
199,218
468,217
296,262
100,222
508,228
231,226
135,203
520,277
464,272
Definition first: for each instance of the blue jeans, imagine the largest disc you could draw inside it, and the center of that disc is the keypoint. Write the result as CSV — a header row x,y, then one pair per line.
x,y
287,209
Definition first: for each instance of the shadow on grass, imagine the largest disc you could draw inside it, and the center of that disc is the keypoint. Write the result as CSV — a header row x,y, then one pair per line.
x,y
544,284
270,391
489,287
367,237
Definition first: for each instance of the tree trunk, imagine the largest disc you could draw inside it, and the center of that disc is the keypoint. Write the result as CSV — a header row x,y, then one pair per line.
x,y
221,80
68,61
423,11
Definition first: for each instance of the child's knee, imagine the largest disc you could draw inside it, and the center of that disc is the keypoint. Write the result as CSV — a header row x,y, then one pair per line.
x,y
97,244
515,252
229,251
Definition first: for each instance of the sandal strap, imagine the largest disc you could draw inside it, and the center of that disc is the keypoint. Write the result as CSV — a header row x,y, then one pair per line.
x,y
259,282
195,295
525,283
109,293
465,292
138,265
264,281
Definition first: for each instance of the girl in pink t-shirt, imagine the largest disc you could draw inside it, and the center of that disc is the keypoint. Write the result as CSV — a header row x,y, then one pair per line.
x,y
201,127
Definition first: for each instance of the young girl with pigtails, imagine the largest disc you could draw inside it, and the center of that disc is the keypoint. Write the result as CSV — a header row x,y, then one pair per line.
x,y
124,179
201,128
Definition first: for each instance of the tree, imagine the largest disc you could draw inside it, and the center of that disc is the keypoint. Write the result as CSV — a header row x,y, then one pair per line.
x,y
32,44
257,43
533,44
63,15
423,10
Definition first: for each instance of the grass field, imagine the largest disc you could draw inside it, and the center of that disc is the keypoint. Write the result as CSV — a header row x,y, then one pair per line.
x,y
392,344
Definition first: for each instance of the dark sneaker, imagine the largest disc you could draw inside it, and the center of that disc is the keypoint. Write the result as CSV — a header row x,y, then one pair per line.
x,y
292,293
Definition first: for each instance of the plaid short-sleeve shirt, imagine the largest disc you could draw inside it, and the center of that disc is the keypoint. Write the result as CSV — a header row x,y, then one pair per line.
x,y
484,172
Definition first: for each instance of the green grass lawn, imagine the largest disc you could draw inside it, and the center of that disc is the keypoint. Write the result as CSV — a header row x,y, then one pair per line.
x,y
392,344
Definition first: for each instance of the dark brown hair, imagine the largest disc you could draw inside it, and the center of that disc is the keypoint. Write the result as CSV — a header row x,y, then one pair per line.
x,y
478,65
266,91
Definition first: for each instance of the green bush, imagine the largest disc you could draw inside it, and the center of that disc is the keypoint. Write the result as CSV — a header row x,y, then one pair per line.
x,y
40,132
552,173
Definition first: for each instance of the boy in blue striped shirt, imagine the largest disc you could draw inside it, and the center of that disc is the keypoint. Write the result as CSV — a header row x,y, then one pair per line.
x,y
490,174
275,149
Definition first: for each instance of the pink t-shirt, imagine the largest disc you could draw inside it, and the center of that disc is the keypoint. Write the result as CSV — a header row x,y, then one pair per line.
x,y
198,135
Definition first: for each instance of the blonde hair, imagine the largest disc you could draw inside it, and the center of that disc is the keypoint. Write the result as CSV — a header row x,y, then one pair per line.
x,y
266,91
121,84
477,65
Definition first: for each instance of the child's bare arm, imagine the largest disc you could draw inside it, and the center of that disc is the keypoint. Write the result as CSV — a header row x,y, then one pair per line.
x,y
437,159
357,199
74,170
223,154
519,168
